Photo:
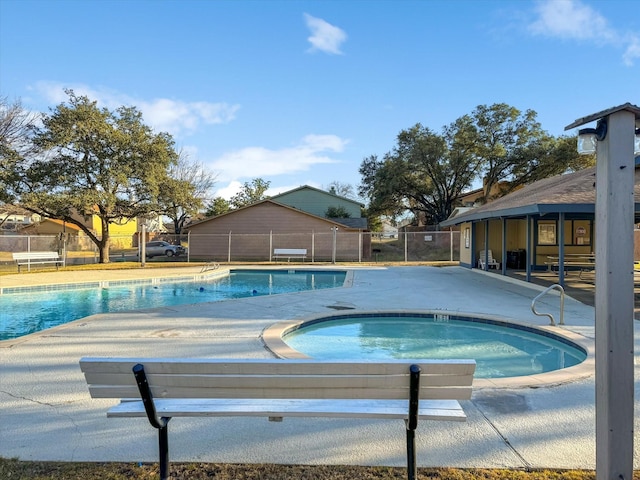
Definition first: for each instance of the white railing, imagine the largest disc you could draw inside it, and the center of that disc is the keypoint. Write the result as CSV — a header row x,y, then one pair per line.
x,y
544,292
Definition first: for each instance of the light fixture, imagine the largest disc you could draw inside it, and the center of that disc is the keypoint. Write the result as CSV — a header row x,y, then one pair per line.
x,y
588,137
636,143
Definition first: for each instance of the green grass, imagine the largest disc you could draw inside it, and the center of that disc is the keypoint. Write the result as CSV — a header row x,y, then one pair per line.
x,y
12,469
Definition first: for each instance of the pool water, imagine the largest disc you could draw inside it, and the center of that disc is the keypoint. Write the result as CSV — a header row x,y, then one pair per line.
x,y
33,311
500,349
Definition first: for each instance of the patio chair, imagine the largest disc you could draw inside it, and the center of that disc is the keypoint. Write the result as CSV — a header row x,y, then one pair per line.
x,y
491,262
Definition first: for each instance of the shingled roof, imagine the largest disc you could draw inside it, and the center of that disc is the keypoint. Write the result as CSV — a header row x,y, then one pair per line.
x,y
568,193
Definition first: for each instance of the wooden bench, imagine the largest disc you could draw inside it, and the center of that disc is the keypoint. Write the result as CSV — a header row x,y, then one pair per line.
x,y
290,253
160,389
37,258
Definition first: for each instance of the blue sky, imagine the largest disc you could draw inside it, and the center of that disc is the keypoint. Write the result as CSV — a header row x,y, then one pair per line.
x,y
299,92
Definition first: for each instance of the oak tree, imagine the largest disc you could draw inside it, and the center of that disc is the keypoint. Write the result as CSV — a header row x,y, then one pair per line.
x,y
93,161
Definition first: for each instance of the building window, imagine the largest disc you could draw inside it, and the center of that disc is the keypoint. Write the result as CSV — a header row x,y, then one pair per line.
x,y
578,232
546,233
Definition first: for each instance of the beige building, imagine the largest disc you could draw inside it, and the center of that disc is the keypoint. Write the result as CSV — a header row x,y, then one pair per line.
x,y
253,232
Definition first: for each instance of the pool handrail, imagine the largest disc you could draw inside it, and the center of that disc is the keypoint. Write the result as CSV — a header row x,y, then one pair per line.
x,y
545,291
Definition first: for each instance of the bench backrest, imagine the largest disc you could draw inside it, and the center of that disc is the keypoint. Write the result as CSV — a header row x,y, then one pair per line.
x,y
35,255
290,251
231,378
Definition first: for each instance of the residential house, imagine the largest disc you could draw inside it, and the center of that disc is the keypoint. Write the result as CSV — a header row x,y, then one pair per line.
x,y
122,234
51,226
318,202
13,218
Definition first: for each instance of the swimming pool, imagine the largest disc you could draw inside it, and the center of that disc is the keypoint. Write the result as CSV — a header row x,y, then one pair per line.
x,y
28,311
501,349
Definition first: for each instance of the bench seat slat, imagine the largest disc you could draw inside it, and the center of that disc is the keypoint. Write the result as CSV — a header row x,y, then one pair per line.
x,y
429,409
35,255
572,264
459,393
206,366
289,251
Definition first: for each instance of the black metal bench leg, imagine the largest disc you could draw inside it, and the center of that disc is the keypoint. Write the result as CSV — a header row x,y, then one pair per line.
x,y
157,422
163,444
412,420
411,454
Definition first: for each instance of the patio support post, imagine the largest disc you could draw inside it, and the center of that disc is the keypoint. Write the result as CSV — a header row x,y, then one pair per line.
x,y
614,298
474,260
561,249
504,245
528,254
615,214
486,245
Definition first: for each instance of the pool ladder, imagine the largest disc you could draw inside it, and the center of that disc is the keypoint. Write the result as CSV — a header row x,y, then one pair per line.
x,y
545,291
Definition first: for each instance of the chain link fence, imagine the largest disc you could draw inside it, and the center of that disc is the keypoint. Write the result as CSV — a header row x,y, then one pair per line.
x,y
336,246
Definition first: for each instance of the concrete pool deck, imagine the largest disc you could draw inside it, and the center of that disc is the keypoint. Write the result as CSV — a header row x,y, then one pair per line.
x,y
47,414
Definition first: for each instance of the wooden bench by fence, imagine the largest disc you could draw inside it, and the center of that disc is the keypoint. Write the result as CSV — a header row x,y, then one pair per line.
x,y
289,253
182,387
37,258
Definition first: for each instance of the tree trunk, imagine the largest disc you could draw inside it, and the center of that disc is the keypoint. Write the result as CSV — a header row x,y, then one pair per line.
x,y
104,250
103,245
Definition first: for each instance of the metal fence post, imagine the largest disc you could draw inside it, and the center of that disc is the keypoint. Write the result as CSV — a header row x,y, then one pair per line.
x,y
406,246
143,253
451,245
335,241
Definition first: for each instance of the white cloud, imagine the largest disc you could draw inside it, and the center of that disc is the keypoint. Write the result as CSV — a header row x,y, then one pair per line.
x,y
230,190
570,19
179,117
633,50
174,116
254,162
573,20
324,37
234,187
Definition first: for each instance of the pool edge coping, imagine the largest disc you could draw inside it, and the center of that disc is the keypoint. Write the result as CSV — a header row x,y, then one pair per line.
x,y
61,286
272,338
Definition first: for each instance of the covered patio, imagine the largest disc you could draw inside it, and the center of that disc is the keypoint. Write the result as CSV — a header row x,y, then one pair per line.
x,y
544,230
